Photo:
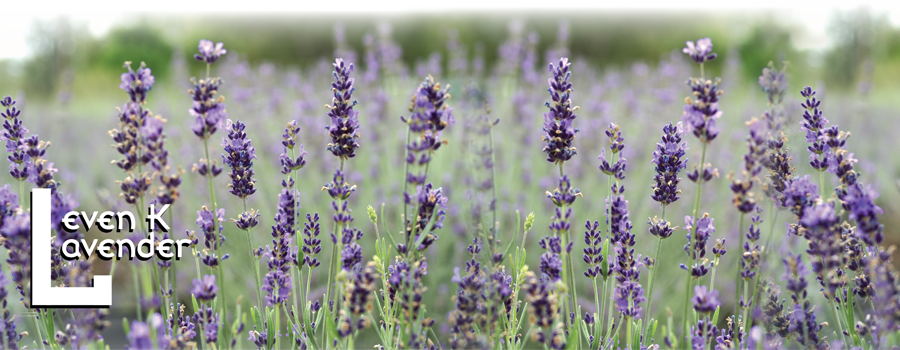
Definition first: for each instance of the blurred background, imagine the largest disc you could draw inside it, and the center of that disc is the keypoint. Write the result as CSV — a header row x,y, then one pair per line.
x,y
628,68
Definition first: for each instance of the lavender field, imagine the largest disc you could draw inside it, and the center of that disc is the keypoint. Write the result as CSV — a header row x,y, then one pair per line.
x,y
517,195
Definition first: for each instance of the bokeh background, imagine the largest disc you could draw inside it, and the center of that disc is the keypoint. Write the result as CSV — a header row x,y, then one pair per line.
x,y
628,68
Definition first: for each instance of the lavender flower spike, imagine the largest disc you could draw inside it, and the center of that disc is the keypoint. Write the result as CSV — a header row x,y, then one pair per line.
x,y
701,51
209,52
344,128
705,301
669,160
239,156
559,132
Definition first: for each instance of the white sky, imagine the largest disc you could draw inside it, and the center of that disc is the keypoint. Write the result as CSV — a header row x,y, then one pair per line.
x,y
16,24
811,16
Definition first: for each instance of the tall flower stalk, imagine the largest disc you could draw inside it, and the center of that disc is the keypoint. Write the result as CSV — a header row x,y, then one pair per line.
x,y
700,114
669,159
208,110
559,134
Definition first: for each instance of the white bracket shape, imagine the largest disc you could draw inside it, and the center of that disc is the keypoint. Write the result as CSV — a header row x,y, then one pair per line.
x,y
43,294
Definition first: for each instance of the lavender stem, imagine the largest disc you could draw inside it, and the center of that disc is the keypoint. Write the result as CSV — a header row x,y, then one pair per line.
x,y
739,280
687,287
653,271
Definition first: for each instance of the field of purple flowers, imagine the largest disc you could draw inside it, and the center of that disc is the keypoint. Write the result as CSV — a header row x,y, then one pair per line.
x,y
407,214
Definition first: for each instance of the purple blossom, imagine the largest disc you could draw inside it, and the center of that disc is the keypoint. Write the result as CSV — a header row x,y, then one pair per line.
x,y
705,301
798,195
701,51
773,83
702,109
293,161
277,282
9,338
311,242
208,111
344,128
211,227
696,247
16,234
14,133
137,83
205,290
139,336
814,125
559,131
593,253
239,155
860,201
669,160
209,52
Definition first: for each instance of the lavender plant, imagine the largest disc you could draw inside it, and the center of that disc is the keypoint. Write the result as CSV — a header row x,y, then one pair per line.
x,y
396,296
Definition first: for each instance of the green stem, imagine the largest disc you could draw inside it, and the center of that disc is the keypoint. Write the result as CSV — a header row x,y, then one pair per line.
x,y
739,280
822,185
256,263
687,293
653,272
494,223
627,321
22,194
226,339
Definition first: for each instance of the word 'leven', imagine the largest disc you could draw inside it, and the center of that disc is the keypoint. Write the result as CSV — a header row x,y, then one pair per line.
x,y
109,249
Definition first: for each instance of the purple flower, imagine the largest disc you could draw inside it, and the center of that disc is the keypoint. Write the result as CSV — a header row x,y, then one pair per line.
x,y
799,194
661,228
559,132
593,253
669,160
430,202
247,220
311,242
774,83
344,128
705,301
139,336
564,195
629,295
137,83
814,125
702,109
209,52
860,201
14,133
208,321
360,285
208,111
543,309
551,266
277,282
205,290
430,116
9,338
696,247
780,171
16,234
701,51
294,161
211,227
239,156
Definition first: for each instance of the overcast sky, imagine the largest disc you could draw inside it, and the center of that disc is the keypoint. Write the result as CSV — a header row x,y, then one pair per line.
x,y
810,34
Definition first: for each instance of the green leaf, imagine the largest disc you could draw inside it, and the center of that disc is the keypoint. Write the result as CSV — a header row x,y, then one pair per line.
x,y
715,318
604,265
572,342
636,334
651,331
126,326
